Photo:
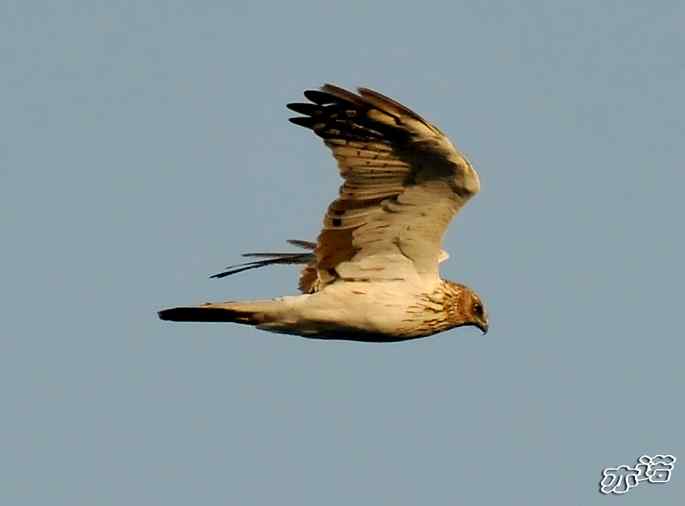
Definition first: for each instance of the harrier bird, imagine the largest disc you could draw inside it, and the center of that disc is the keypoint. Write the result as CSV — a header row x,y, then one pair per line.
x,y
373,273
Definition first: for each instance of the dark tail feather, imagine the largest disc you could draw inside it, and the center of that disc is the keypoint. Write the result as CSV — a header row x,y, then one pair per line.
x,y
197,314
249,312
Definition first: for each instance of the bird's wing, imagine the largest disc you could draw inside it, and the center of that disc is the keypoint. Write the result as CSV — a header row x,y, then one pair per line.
x,y
403,183
271,258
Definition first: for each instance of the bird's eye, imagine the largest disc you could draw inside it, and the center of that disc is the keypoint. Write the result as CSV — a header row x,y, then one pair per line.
x,y
478,308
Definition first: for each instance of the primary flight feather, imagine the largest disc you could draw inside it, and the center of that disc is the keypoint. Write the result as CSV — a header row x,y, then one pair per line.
x,y
373,273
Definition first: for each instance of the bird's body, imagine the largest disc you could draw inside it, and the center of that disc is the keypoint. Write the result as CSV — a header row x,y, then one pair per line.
x,y
357,310
373,273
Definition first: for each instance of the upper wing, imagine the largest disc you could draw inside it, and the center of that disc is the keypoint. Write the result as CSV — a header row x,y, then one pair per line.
x,y
403,183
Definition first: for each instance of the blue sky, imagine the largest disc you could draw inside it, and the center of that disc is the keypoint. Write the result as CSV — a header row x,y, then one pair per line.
x,y
146,145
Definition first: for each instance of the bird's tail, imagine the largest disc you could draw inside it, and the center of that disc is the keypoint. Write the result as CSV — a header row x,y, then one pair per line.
x,y
258,312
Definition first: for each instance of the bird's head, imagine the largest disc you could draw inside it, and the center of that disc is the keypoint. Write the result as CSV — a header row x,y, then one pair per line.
x,y
466,307
477,314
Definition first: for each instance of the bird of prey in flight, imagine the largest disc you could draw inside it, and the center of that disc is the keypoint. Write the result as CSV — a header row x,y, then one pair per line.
x,y
372,274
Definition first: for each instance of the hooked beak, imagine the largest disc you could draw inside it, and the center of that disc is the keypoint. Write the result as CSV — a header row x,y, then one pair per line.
x,y
483,327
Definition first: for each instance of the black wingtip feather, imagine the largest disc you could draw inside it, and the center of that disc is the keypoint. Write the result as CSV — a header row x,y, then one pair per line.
x,y
308,109
234,271
319,97
268,259
302,244
306,122
342,95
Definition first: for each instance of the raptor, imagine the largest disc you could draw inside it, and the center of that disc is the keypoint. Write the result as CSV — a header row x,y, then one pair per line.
x,y
373,273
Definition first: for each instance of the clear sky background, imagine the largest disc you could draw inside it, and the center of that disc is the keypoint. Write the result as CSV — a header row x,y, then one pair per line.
x,y
145,145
